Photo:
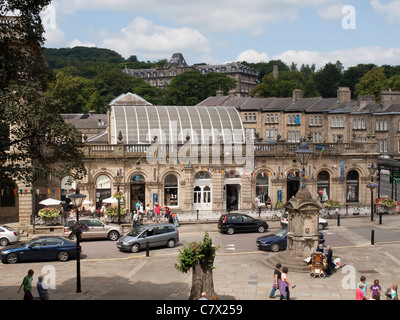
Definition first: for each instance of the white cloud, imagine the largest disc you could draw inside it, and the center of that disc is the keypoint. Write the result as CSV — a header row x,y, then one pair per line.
x,y
348,57
391,10
332,12
253,56
55,38
78,43
143,38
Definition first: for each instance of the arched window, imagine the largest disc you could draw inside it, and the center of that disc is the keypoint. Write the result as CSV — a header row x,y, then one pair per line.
x,y
323,186
202,190
171,190
262,185
103,189
352,186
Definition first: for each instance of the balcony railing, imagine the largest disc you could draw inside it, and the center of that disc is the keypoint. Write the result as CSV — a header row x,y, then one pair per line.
x,y
262,149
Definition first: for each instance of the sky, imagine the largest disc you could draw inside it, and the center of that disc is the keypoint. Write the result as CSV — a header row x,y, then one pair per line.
x,y
223,31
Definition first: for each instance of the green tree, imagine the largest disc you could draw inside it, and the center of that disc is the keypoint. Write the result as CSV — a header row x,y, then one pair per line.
x,y
352,76
36,135
372,83
199,257
327,79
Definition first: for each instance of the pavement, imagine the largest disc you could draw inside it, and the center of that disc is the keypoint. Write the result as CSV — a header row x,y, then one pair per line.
x,y
237,275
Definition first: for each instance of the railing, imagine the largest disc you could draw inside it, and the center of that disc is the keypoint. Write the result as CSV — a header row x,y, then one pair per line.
x,y
260,149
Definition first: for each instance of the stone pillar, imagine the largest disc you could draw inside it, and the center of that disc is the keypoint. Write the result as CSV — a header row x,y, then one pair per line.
x,y
303,232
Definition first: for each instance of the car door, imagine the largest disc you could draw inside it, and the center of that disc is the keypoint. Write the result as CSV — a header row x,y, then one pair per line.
x,y
50,248
237,221
35,251
97,229
248,223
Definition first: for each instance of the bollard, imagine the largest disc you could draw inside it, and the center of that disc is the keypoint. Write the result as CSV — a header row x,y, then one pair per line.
x,y
372,237
338,220
380,218
147,249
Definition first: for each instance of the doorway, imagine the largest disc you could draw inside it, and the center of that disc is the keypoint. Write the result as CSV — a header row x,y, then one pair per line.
x,y
293,185
232,199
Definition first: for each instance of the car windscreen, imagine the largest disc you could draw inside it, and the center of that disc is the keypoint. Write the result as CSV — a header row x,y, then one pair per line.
x,y
136,231
281,233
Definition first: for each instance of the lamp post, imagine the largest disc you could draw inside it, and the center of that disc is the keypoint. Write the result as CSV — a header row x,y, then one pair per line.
x,y
118,180
303,154
77,200
372,171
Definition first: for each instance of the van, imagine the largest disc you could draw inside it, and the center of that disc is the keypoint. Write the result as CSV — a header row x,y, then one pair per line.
x,y
155,235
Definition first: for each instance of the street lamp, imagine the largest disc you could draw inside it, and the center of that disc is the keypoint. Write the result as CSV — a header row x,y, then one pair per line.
x,y
77,200
372,171
303,154
118,180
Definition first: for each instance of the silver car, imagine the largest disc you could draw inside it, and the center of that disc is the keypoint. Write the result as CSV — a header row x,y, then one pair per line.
x,y
8,235
156,235
97,229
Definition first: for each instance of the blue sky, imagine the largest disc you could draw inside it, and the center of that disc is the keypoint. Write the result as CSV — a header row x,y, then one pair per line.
x,y
220,31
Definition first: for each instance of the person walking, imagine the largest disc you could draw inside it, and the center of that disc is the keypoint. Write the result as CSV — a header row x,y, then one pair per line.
x,y
27,285
391,293
166,216
135,219
147,209
277,277
375,290
42,289
284,284
363,280
157,211
141,211
329,261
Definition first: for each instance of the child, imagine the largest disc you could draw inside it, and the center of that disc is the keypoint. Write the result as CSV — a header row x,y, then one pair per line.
x,y
376,289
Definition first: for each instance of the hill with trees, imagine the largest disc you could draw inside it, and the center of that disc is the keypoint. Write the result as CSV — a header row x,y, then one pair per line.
x,y
89,78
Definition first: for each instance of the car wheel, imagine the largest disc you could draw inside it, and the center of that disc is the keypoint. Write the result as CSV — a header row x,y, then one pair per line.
x,y
171,243
63,256
275,247
261,229
12,258
113,235
4,242
230,230
135,248
321,226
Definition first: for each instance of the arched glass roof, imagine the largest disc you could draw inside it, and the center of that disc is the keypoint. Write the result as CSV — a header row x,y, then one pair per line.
x,y
139,124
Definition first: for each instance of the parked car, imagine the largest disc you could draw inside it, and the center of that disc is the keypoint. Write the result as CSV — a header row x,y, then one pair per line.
x,y
156,235
322,223
40,248
237,222
97,229
278,241
8,235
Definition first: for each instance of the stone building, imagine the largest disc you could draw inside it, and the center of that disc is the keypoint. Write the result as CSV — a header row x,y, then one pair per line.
x,y
160,77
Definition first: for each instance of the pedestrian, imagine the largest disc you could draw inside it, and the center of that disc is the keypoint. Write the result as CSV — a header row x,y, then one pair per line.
x,y
284,284
268,203
203,296
157,211
166,216
42,289
147,209
363,280
141,210
277,277
135,219
258,204
375,289
27,285
151,215
137,206
329,261
391,293
175,220
360,293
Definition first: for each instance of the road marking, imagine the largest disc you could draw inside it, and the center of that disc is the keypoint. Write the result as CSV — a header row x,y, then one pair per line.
x,y
230,246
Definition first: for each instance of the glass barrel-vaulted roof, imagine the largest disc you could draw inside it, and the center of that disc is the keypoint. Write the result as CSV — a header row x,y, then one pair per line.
x,y
139,124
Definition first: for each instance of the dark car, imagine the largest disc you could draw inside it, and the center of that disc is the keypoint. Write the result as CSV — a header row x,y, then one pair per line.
x,y
236,222
40,248
278,241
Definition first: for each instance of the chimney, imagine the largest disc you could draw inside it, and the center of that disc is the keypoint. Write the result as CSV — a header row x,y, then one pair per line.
x,y
275,71
344,95
390,97
219,93
232,93
297,94
364,100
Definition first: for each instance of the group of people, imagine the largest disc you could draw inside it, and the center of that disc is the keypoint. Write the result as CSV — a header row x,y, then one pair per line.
x,y
281,283
27,287
267,203
374,291
153,216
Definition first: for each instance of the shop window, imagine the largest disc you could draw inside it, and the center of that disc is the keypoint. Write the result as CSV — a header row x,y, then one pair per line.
x,y
352,186
171,190
323,186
